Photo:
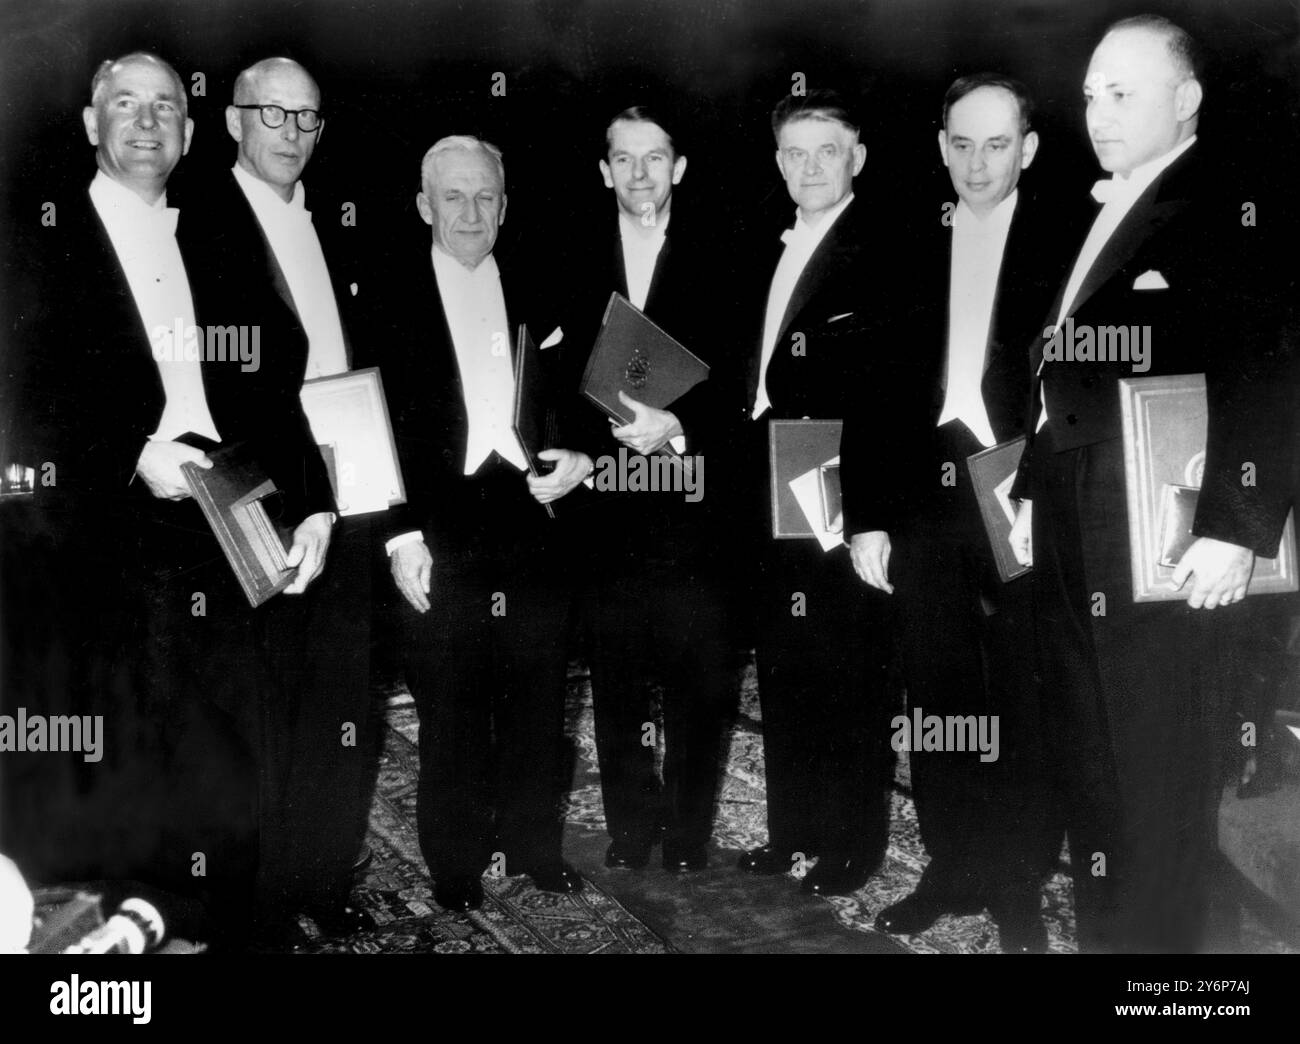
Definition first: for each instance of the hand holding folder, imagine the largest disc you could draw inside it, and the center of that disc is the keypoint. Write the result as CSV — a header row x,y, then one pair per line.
x,y
634,362
536,426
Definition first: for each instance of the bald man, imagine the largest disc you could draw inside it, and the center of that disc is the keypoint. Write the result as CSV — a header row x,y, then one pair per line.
x,y
265,260
158,637
1134,694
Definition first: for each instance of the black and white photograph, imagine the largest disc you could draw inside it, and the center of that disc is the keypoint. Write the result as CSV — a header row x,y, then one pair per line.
x,y
325,634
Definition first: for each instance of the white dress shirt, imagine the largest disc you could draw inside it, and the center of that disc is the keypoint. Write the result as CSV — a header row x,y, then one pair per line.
x,y
475,307
144,238
1117,196
801,242
476,315
297,249
640,254
977,249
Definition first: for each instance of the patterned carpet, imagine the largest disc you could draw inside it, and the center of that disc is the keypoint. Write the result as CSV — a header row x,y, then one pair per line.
x,y
741,824
517,918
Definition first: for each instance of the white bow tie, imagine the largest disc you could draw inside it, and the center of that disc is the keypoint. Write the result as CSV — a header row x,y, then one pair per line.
x,y
797,234
299,214
162,220
1108,190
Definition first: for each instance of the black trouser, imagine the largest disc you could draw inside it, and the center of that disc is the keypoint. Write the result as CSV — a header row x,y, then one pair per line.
x,y
653,620
823,653
1134,702
199,672
967,649
317,735
486,666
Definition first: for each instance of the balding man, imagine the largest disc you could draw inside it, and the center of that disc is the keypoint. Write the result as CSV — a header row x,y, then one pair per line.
x,y
261,261
477,561
163,642
1134,693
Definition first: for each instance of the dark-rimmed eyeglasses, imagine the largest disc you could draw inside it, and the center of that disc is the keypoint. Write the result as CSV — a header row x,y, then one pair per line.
x,y
273,116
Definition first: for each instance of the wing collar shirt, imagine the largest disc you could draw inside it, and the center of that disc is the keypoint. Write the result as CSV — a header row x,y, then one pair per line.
x,y
640,254
144,239
977,248
297,249
1117,196
475,307
801,242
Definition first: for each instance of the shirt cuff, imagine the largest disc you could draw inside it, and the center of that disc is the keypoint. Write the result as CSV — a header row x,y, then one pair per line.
x,y
404,538
678,442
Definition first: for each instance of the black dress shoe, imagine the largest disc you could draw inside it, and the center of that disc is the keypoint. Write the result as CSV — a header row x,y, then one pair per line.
x,y
458,893
341,920
365,855
839,876
766,860
918,912
556,877
685,859
627,855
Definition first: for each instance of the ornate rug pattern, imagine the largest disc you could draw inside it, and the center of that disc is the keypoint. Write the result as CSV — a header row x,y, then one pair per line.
x,y
741,824
517,918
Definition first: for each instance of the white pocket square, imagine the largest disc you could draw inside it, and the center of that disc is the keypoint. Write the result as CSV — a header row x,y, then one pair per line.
x,y
556,336
1150,280
353,286
837,318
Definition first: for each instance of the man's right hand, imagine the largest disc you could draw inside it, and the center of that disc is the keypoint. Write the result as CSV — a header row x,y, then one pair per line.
x,y
869,553
160,467
1021,537
412,568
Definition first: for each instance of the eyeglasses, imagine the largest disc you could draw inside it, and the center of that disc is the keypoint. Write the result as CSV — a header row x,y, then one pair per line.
x,y
273,116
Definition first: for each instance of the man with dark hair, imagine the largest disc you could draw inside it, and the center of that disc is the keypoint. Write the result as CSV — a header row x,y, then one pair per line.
x,y
981,276
822,637
818,104
166,646
262,262
1134,693
655,601
964,85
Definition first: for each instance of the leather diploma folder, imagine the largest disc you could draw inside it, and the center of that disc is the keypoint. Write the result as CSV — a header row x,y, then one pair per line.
x,y
992,473
636,357
241,505
1164,422
534,422
804,456
348,413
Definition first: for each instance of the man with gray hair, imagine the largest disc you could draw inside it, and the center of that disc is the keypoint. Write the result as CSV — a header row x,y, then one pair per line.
x,y
481,568
159,636
266,262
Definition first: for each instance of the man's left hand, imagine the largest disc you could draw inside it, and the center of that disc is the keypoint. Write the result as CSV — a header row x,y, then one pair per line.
x,y
650,428
571,468
1220,572
310,542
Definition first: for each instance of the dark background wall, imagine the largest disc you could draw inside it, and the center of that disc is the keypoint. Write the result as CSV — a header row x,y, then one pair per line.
x,y
398,74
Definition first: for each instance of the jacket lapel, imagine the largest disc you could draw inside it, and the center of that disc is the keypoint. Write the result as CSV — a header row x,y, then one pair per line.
x,y
1158,205
835,250
118,291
